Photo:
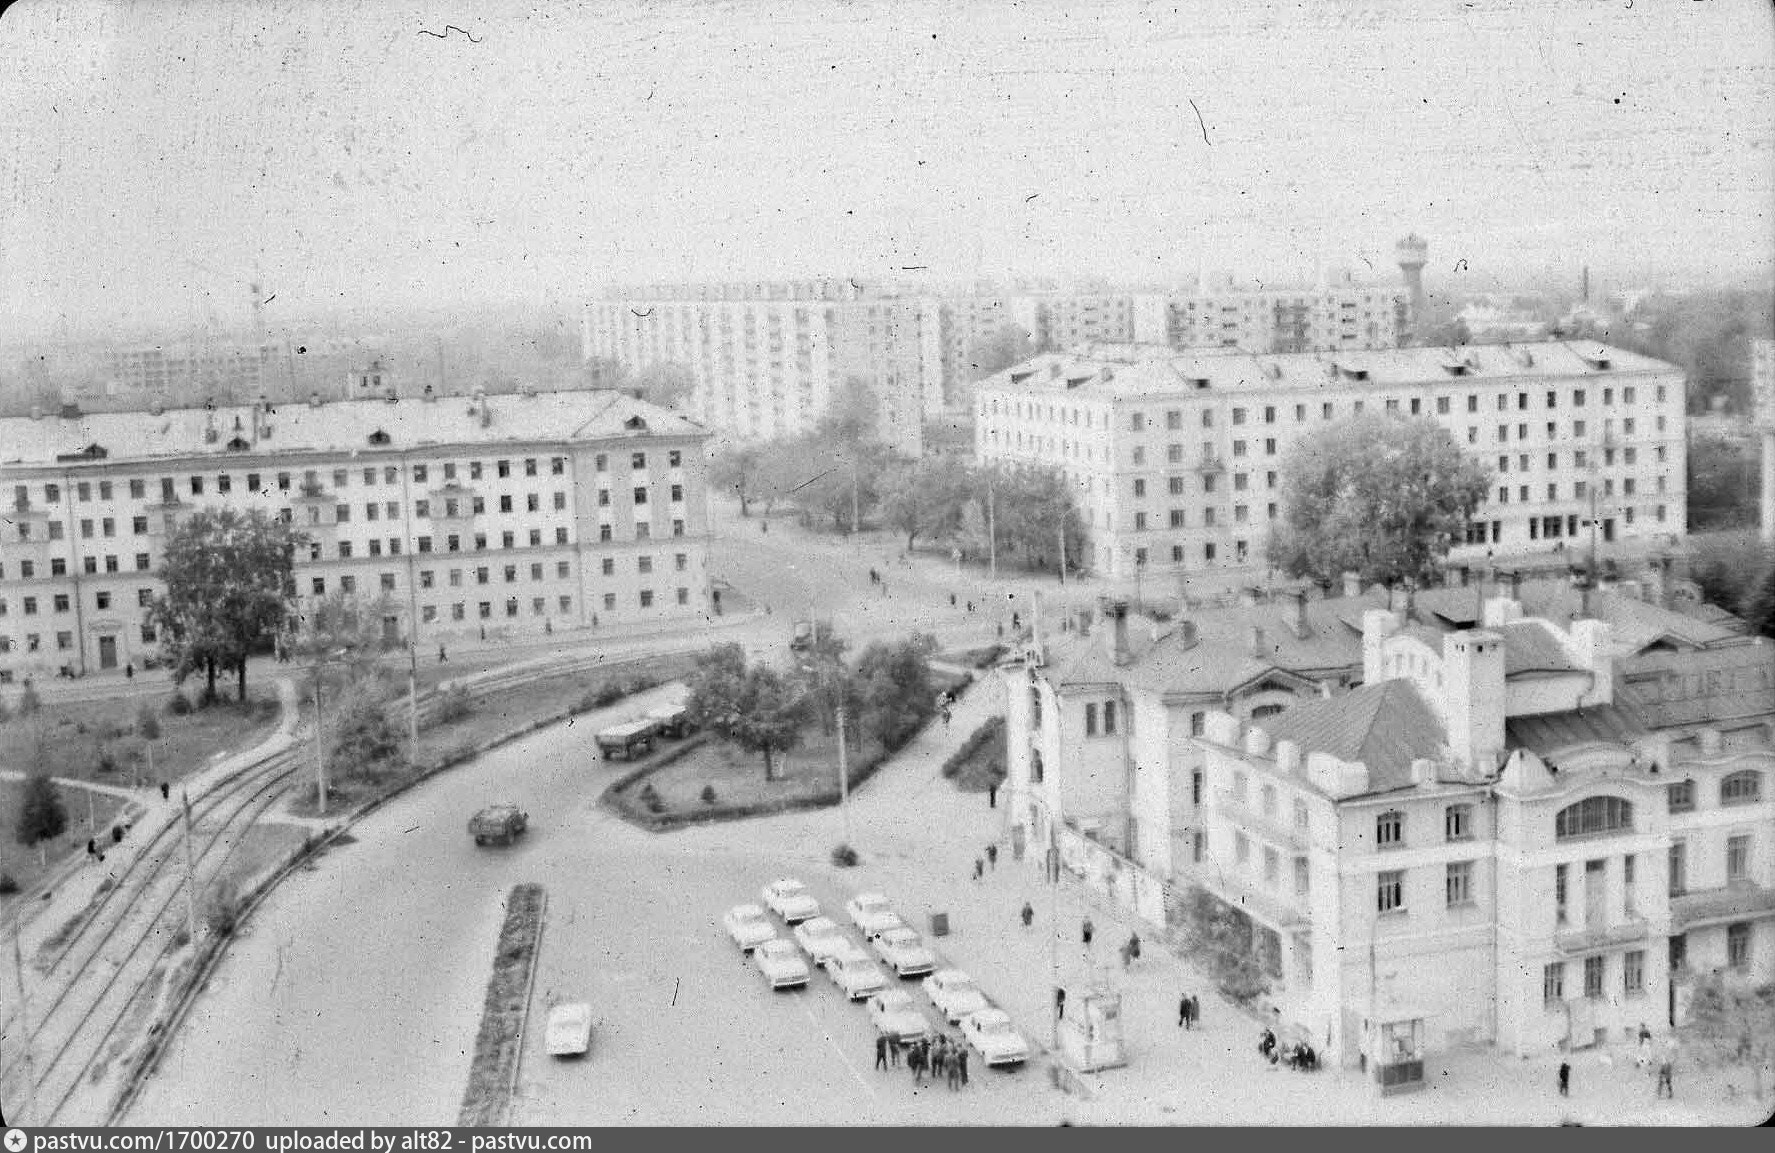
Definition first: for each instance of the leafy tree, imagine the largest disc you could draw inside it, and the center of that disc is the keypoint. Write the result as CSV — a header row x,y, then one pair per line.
x,y
823,678
363,736
1222,939
895,680
230,583
738,469
665,384
767,716
1722,482
41,817
1380,495
339,639
715,683
1726,567
1733,1022
994,353
926,497
852,415
1033,510
1760,607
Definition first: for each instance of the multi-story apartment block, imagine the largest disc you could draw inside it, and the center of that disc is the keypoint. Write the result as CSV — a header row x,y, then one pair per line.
x,y
1061,320
1328,317
767,358
1176,460
459,516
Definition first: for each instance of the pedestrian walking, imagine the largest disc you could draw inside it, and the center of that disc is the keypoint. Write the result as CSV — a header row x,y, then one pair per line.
x,y
92,847
881,1051
1001,630
893,1051
992,795
1195,1010
915,1061
1183,1012
1565,1078
992,855
129,671
442,657
1134,946
1665,1087
961,1062
979,868
1086,931
166,791
952,1066
939,1060
1028,914
1016,622
970,606
951,600
116,835
1060,1002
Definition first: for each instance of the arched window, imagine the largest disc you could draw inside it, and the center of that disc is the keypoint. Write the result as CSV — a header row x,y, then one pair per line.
x,y
1593,816
1742,788
1389,829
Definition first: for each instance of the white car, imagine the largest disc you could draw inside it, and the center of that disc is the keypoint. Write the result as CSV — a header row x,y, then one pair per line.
x,y
748,926
903,951
855,972
821,937
871,913
791,901
569,1030
894,1014
991,1034
954,994
780,962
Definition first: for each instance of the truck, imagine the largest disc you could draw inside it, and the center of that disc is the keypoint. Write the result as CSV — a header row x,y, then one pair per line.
x,y
630,740
498,824
672,720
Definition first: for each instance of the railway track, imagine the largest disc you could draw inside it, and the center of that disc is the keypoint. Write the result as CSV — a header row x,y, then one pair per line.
x,y
104,976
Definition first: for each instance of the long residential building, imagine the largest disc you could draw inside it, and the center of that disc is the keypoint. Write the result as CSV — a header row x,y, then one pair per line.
x,y
1176,458
457,517
767,358
1326,317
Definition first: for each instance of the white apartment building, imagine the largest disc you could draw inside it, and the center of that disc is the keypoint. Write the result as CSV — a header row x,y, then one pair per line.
x,y
462,516
767,357
1176,460
1327,317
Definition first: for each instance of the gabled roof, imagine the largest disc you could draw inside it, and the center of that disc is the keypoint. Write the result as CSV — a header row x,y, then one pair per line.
x,y
1531,647
1386,726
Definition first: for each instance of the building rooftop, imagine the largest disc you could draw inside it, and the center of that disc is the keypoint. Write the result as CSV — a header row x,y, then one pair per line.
x,y
1385,726
336,426
1551,735
1112,372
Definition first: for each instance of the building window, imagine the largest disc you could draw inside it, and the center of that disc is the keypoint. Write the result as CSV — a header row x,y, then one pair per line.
x,y
1457,822
1241,848
1560,892
1302,878
1272,866
1679,868
1390,891
1738,945
1553,982
1109,718
1633,972
1389,829
1680,796
1737,856
1742,788
1090,720
1593,816
1459,883
1594,968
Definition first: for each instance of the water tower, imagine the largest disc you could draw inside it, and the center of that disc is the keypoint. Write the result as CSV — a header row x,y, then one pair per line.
x,y
1412,253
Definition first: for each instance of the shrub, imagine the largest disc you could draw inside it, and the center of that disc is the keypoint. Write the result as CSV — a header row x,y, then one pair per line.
x,y
208,698
454,703
222,909
844,856
179,705
107,759
28,701
8,885
1222,938
147,724
363,735
80,727
708,794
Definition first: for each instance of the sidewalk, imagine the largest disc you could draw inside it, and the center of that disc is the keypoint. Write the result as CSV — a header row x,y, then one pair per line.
x,y
919,837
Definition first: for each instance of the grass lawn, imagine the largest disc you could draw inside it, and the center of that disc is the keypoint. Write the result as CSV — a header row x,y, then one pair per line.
x,y
980,761
65,740
738,776
20,863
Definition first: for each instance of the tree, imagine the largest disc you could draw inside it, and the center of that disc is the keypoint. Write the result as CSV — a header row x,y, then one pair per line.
x,y
824,679
664,383
1221,937
363,736
737,469
41,817
1726,568
230,584
1760,607
1034,511
1734,1022
1380,495
851,414
895,680
926,497
766,718
998,351
1722,482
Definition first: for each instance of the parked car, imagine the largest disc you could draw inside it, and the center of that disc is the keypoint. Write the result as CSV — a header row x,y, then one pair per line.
x,y
498,824
790,900
627,740
820,937
854,972
569,1030
894,1014
871,913
992,1035
781,963
954,994
903,951
748,926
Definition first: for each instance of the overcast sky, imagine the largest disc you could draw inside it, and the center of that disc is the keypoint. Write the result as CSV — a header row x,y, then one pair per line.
x,y
349,158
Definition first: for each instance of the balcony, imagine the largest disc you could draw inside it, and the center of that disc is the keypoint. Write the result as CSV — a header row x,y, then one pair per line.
x,y
1735,902
1572,941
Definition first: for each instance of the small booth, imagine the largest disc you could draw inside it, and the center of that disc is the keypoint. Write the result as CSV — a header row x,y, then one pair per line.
x,y
1393,1050
1091,1031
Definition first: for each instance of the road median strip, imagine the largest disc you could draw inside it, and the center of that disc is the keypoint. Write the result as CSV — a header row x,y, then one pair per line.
x,y
492,1075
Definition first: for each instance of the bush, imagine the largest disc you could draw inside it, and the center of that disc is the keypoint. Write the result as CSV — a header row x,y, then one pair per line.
x,y
844,856
1223,939
208,698
147,724
454,703
28,701
708,794
979,737
107,759
179,705
222,909
8,885
363,736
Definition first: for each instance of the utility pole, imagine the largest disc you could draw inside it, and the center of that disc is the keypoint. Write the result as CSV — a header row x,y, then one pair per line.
x,y
320,756
855,518
1061,526
844,778
991,531
190,873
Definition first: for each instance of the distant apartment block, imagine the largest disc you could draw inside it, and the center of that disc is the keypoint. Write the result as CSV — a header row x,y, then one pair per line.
x,y
1324,318
1177,458
767,357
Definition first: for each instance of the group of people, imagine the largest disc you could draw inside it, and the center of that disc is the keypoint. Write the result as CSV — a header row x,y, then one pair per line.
x,y
1296,1055
944,1059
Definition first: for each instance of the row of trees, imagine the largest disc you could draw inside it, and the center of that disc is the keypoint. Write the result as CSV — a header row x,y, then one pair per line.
x,y
887,694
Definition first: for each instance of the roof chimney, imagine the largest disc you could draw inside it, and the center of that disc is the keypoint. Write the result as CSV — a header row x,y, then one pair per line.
x,y
1294,605
1117,612
1259,643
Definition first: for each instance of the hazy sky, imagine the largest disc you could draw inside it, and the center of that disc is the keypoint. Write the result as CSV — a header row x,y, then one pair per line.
x,y
352,159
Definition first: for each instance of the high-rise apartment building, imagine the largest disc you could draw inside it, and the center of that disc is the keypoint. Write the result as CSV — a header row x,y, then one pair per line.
x,y
1177,459
453,517
1332,316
